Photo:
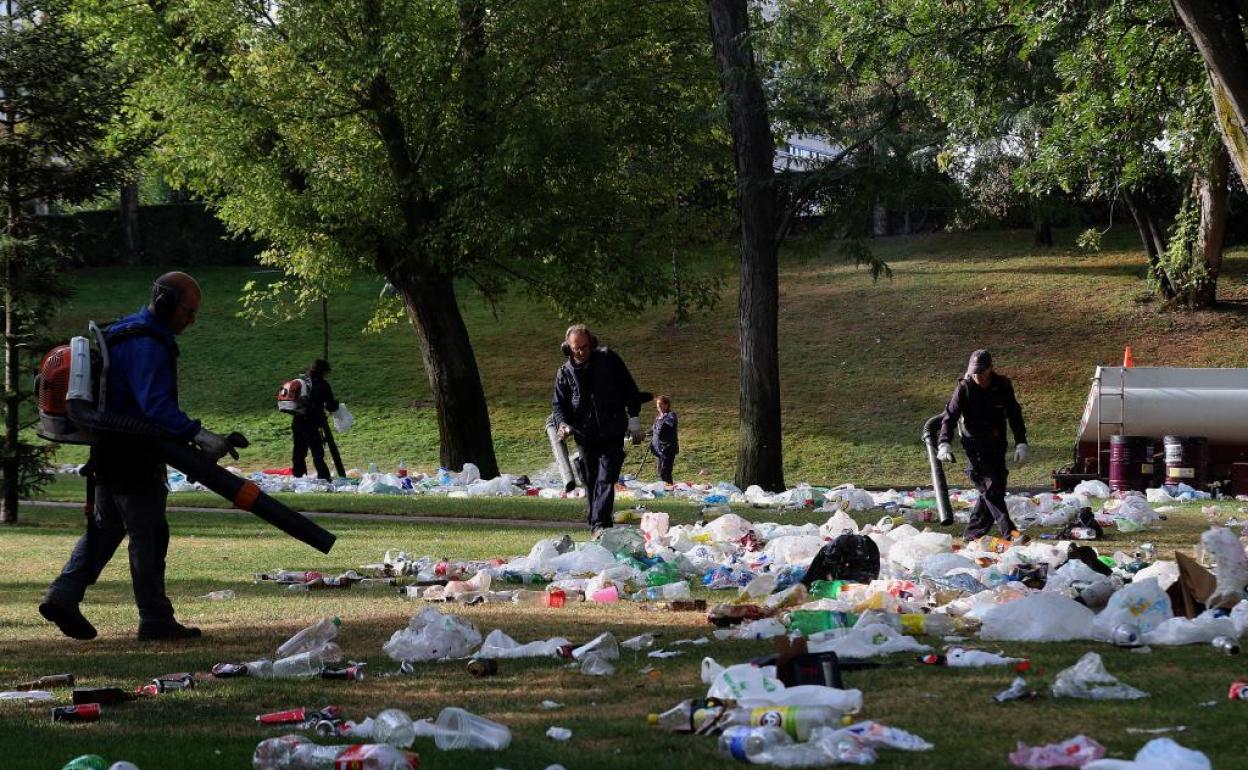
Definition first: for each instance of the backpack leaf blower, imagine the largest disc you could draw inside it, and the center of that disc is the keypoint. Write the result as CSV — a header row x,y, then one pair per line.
x,y
71,388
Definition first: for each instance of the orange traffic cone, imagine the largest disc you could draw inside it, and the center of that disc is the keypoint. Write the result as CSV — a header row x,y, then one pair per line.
x,y
1127,359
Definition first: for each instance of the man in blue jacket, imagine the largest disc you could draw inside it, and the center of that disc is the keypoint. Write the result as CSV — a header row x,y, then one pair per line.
x,y
130,482
596,401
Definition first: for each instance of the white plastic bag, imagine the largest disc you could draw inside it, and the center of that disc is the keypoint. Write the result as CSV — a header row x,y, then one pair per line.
x,y
1038,617
1157,754
744,681
865,642
1141,604
1232,565
1199,630
1089,679
499,645
343,419
1092,488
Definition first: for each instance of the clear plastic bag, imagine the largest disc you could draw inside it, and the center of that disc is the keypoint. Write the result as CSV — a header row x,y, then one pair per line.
x,y
1088,679
343,419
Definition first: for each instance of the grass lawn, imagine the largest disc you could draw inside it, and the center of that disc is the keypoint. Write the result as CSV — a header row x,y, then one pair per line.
x,y
862,364
213,727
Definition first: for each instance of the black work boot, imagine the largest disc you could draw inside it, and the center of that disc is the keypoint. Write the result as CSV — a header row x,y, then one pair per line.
x,y
168,631
68,618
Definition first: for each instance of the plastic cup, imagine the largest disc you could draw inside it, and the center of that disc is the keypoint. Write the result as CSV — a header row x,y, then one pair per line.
x,y
459,729
608,595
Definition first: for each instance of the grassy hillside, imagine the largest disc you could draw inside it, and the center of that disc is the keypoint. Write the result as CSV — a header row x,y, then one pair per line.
x,y
862,364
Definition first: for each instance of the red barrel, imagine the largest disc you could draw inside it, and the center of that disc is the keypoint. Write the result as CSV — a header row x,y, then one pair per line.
x,y
1187,460
1130,463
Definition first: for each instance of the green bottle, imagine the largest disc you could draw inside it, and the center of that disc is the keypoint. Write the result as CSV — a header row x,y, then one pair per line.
x,y
86,762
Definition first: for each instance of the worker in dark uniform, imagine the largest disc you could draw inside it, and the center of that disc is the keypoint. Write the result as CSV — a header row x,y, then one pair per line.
x,y
307,424
130,483
981,406
597,402
664,443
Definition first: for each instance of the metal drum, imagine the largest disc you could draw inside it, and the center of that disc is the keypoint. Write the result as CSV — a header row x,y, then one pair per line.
x,y
1187,460
1130,463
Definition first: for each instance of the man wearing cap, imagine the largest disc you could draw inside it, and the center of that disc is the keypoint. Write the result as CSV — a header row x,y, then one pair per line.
x,y
981,406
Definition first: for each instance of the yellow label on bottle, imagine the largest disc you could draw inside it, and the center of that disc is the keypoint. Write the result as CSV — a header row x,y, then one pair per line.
x,y
784,717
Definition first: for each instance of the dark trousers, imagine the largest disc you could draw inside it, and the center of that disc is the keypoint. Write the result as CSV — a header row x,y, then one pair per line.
x,y
665,462
142,517
603,460
988,474
307,436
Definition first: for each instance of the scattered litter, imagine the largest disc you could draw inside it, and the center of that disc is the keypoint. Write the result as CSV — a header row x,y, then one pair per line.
x,y
559,734
1075,752
1157,754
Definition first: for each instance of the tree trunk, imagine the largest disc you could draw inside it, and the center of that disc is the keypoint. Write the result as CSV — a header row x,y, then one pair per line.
x,y
1152,236
130,234
325,327
1212,193
759,452
1215,28
463,419
1041,227
11,462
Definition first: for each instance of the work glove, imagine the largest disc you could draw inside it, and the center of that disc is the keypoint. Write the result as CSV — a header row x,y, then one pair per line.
x,y
1020,454
211,444
634,430
565,430
944,453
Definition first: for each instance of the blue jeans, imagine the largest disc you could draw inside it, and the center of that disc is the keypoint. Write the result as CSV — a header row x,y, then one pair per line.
x,y
142,517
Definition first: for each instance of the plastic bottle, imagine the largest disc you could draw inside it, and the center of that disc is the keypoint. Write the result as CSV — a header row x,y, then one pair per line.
x,y
372,468
669,592
746,743
294,752
797,721
930,624
305,665
521,596
394,727
662,574
315,636
219,596
86,762
687,716
401,472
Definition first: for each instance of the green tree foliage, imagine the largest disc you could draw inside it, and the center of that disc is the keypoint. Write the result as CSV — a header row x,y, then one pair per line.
x,y
1104,100
59,143
531,144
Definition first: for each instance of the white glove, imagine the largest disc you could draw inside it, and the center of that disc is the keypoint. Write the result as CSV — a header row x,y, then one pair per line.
x,y
1020,454
944,453
211,444
634,429
565,430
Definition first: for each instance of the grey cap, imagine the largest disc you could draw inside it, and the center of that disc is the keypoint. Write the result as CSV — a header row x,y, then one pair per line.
x,y
981,361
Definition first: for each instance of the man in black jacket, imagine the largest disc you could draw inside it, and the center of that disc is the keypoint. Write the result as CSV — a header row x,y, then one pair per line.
x,y
596,401
307,424
981,406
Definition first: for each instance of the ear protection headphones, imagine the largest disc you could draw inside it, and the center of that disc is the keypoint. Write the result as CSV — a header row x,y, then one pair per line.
x,y
165,299
567,349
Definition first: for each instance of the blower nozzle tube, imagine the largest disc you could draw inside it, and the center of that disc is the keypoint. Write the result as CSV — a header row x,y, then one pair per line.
x,y
939,484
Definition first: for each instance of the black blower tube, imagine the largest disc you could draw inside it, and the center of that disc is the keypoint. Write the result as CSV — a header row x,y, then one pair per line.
x,y
939,484
242,493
